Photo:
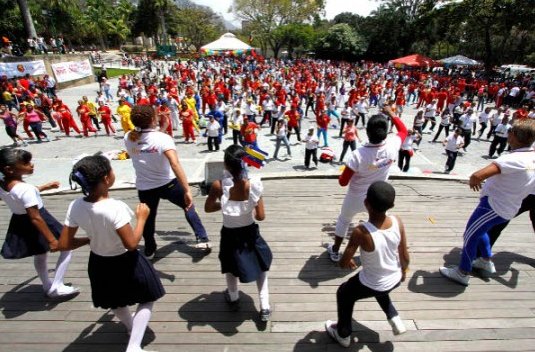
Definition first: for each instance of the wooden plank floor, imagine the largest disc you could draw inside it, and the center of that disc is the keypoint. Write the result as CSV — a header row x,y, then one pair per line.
x,y
492,314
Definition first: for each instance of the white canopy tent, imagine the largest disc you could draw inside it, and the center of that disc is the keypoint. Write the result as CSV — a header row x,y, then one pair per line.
x,y
227,41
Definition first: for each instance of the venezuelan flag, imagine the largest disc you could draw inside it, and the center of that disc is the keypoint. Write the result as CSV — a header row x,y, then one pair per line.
x,y
255,157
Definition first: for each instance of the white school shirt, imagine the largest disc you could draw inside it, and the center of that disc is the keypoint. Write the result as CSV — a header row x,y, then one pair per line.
x,y
311,142
430,110
484,117
502,130
466,121
239,213
152,167
381,268
453,142
212,129
22,196
515,182
496,119
100,221
407,143
371,162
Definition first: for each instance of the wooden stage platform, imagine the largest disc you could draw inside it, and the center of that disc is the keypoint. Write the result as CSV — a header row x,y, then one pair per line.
x,y
492,314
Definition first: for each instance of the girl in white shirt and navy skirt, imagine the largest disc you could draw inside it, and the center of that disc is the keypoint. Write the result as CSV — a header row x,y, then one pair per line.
x,y
243,253
32,230
120,276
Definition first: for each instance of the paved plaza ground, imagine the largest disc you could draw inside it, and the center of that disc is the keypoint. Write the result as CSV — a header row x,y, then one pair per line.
x,y
54,160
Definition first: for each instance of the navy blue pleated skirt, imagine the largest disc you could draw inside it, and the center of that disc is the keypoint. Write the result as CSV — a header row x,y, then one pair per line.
x,y
244,253
123,280
23,239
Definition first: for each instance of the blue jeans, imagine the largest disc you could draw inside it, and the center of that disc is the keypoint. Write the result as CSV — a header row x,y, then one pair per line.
x,y
174,193
323,131
284,140
475,235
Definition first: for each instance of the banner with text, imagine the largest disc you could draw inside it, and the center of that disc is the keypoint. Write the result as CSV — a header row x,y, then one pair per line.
x,y
15,69
71,70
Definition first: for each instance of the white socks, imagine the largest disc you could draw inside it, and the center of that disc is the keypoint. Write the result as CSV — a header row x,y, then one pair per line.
x,y
136,325
39,262
263,290
261,284
232,286
41,266
61,268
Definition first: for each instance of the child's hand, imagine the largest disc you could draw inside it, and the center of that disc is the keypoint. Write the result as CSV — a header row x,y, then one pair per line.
x,y
142,211
349,265
52,185
53,245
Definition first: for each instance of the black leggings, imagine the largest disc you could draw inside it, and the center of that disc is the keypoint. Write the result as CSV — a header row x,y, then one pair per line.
x,y
440,128
404,160
353,290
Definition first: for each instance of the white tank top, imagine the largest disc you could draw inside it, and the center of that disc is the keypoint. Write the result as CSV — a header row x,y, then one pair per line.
x,y
381,269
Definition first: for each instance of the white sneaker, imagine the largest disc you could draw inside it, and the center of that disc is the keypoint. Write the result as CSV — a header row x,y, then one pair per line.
x,y
397,325
330,327
455,275
335,256
63,291
486,265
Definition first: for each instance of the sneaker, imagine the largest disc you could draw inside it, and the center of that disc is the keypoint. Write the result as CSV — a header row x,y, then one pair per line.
x,y
486,265
203,244
330,327
455,275
265,314
63,291
397,325
234,305
150,251
335,256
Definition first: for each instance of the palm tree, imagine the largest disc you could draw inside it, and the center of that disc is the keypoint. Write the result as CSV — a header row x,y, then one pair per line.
x,y
27,18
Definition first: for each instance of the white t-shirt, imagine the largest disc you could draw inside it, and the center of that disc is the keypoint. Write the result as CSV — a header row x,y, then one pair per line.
x,y
430,110
484,117
381,269
467,121
407,143
239,213
452,142
152,167
212,129
515,182
371,162
22,196
311,142
100,221
502,130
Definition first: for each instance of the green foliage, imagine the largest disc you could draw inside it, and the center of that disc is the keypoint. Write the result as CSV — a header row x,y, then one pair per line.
x,y
340,42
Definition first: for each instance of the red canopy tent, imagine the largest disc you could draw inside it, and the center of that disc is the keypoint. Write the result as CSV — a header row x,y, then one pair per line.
x,y
415,60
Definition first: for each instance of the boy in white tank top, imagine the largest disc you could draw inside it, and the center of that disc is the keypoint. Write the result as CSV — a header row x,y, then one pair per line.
x,y
385,260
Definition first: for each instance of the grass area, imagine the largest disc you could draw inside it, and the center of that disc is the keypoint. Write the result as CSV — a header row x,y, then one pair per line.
x,y
115,72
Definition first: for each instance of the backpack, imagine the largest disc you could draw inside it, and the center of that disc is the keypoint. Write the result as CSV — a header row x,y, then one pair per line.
x,y
327,155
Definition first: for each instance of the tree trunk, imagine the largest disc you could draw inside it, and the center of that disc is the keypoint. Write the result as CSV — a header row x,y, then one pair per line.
x,y
102,42
489,61
164,27
27,18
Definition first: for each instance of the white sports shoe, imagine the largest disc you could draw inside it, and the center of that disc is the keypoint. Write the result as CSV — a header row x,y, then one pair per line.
x,y
330,327
486,265
335,256
455,275
397,325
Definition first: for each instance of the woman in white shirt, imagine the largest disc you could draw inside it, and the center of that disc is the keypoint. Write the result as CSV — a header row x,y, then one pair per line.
x,y
243,253
159,175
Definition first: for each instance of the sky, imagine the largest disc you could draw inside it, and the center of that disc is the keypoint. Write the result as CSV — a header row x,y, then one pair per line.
x,y
332,8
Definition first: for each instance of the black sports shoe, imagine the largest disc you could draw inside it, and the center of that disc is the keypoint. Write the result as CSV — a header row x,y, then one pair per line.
x,y
234,305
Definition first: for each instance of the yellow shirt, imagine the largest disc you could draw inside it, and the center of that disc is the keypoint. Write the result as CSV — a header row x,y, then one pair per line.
x,y
92,107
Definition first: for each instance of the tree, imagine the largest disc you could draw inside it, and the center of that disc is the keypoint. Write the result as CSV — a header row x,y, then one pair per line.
x,y
264,16
197,25
27,18
341,42
352,19
295,37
